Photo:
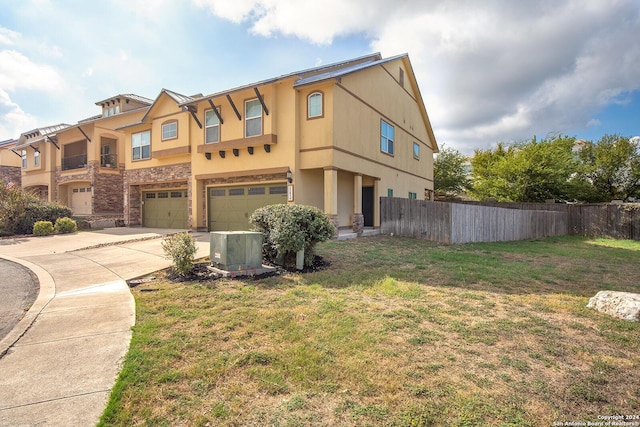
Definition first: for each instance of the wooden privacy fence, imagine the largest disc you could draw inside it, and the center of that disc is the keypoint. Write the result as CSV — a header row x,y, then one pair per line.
x,y
464,223
492,222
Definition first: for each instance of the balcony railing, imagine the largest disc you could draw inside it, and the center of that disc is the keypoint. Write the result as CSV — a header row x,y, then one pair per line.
x,y
109,161
74,162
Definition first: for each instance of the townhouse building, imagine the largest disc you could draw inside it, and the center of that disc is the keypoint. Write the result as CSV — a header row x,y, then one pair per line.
x,y
337,136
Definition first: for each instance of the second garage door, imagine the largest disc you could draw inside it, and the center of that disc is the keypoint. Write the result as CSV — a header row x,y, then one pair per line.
x,y
165,209
230,207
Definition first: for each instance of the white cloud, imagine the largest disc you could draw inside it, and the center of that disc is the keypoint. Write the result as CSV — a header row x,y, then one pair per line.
x,y
13,121
489,71
18,71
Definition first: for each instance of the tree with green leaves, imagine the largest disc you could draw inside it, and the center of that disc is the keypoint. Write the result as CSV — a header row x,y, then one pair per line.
x,y
611,167
530,171
450,173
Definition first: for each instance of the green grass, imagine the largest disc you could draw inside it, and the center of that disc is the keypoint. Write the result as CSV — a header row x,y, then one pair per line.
x,y
395,332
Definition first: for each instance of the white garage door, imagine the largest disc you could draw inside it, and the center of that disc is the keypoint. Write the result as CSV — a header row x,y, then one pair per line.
x,y
81,200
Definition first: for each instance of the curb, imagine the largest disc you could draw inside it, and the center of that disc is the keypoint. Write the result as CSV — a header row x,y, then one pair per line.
x,y
46,293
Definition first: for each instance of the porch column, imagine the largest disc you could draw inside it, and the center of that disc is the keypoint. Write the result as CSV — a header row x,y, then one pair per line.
x,y
331,194
358,217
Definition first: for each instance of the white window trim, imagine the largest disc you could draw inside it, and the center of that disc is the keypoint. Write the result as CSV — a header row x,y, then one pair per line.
x,y
211,126
247,118
321,114
172,122
140,146
386,149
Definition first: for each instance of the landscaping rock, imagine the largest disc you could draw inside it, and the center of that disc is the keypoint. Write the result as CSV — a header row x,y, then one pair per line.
x,y
623,305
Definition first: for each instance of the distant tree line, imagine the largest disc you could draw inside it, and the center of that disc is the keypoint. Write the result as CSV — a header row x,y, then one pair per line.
x,y
561,168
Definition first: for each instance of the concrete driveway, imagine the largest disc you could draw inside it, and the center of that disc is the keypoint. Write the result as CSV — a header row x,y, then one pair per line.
x,y
60,362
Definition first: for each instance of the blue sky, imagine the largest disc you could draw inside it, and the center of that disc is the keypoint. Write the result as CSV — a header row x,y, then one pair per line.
x,y
488,71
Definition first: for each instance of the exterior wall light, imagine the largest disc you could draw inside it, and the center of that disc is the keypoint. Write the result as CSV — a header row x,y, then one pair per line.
x,y
289,176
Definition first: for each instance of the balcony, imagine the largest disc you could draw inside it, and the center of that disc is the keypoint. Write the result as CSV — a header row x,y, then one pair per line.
x,y
74,162
109,161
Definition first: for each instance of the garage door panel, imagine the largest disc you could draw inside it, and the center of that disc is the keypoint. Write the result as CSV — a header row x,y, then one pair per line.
x,y
80,200
165,209
231,207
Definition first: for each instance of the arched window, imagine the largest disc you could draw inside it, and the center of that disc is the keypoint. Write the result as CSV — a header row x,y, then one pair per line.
x,y
314,104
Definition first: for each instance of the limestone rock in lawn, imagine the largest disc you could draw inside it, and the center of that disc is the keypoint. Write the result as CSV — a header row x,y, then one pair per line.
x,y
623,305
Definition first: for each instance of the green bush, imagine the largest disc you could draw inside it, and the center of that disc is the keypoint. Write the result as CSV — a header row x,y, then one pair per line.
x,y
181,249
65,225
42,228
290,228
19,211
12,203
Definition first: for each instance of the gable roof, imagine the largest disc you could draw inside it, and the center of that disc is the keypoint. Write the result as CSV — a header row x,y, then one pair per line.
x,y
340,72
178,98
301,74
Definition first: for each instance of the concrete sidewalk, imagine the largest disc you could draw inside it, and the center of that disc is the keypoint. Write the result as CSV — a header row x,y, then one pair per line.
x,y
60,362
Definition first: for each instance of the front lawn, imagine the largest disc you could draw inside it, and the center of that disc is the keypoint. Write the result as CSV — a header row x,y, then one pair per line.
x,y
394,332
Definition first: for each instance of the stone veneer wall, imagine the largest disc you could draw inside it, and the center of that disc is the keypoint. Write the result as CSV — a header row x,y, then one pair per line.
x,y
266,178
138,180
12,173
108,193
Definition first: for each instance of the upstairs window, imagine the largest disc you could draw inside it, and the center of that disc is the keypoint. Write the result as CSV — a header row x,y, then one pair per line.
x,y
386,137
141,145
212,127
252,118
416,151
36,158
170,130
23,153
314,105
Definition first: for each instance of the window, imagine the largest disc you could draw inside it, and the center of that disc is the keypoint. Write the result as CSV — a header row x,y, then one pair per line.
x,y
169,130
24,158
111,112
416,151
413,196
314,105
253,118
36,158
211,126
386,137
117,109
389,192
141,145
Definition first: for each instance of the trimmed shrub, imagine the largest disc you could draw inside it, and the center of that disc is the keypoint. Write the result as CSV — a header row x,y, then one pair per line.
x,y
38,210
42,228
290,228
181,249
65,225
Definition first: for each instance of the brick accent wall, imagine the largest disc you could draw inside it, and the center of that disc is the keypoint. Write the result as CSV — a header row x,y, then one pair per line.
x,y
138,180
107,193
107,187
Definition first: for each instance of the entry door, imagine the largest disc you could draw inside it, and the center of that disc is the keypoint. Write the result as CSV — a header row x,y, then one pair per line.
x,y
367,206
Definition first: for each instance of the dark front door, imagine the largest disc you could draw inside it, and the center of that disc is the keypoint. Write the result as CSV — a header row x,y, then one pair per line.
x,y
367,206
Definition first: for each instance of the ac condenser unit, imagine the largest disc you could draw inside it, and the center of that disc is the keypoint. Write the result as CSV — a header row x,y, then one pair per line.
x,y
236,250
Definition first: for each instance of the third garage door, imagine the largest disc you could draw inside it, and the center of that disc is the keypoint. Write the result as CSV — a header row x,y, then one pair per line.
x,y
230,207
